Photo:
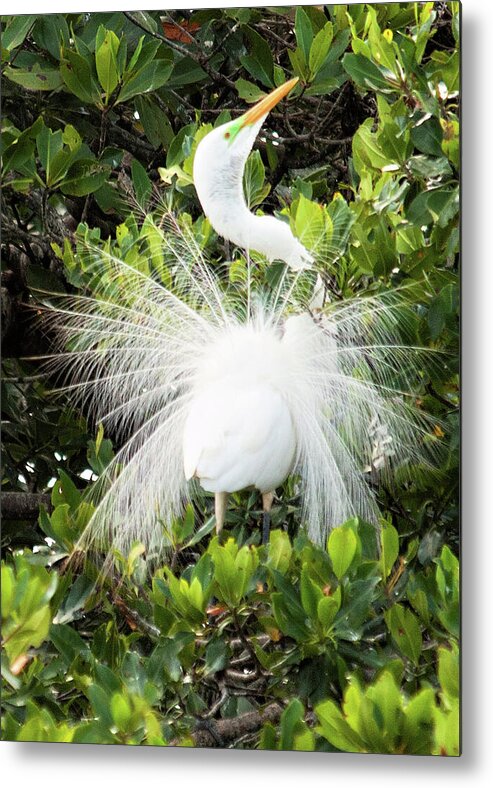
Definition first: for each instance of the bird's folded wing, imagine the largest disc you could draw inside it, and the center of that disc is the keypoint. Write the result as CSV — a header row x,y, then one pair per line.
x,y
225,431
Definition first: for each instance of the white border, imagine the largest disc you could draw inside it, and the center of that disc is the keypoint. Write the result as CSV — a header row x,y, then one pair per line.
x,y
41,765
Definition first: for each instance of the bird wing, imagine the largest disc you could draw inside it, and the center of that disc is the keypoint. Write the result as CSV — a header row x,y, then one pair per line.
x,y
233,435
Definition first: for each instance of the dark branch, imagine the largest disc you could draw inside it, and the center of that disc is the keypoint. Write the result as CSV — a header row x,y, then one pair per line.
x,y
228,730
23,506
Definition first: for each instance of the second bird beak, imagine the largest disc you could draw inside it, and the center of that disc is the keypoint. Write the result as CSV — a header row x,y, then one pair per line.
x,y
267,103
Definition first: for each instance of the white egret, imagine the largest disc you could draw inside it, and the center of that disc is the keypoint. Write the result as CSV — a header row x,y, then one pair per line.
x,y
233,393
218,177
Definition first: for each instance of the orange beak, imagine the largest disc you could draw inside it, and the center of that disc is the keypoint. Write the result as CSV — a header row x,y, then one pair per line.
x,y
267,103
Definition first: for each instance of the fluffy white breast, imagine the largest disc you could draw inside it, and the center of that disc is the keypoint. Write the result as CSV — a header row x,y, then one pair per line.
x,y
239,431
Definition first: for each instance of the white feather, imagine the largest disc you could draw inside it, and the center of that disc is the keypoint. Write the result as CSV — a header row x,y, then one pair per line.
x,y
199,386
237,389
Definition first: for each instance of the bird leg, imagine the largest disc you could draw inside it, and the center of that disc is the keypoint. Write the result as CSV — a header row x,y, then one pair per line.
x,y
220,500
267,499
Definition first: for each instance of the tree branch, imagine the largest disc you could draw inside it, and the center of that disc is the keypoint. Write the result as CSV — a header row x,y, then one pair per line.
x,y
23,506
227,730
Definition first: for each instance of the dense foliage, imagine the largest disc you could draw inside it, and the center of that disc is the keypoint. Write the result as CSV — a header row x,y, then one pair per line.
x,y
351,648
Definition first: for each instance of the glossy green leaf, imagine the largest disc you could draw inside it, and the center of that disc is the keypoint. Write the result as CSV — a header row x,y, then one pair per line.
x,y
107,61
259,61
16,30
280,551
342,545
149,78
254,186
248,91
78,76
320,48
84,177
405,630
36,78
303,31
389,540
365,73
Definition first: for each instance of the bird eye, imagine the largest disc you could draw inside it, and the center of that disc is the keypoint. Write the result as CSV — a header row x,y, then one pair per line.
x,y
227,135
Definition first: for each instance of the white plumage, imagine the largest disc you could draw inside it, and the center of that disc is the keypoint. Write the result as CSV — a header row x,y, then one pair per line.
x,y
236,389
218,168
239,431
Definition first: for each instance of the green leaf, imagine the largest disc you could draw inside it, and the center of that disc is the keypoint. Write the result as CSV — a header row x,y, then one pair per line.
x,y
216,657
28,614
389,540
16,30
49,144
151,77
75,601
254,186
342,545
336,730
176,153
437,205
327,609
387,707
356,608
294,732
78,77
365,73
142,183
68,642
427,167
37,78
268,737
259,62
418,722
298,63
290,619
22,148
8,587
225,572
303,31
156,123
51,32
248,91
428,136
107,61
409,239
121,711
395,143
84,177
311,594
136,54
447,732
444,69
312,225
448,670
64,158
100,702
65,491
451,141
320,49
186,72
405,630
280,551
366,148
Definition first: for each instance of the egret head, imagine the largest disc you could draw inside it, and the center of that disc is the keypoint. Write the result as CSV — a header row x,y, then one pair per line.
x,y
225,149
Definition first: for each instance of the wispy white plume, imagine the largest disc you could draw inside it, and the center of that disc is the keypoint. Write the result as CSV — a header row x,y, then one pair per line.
x,y
135,353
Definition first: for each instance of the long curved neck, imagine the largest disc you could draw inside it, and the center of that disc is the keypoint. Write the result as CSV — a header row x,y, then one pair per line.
x,y
223,201
219,185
